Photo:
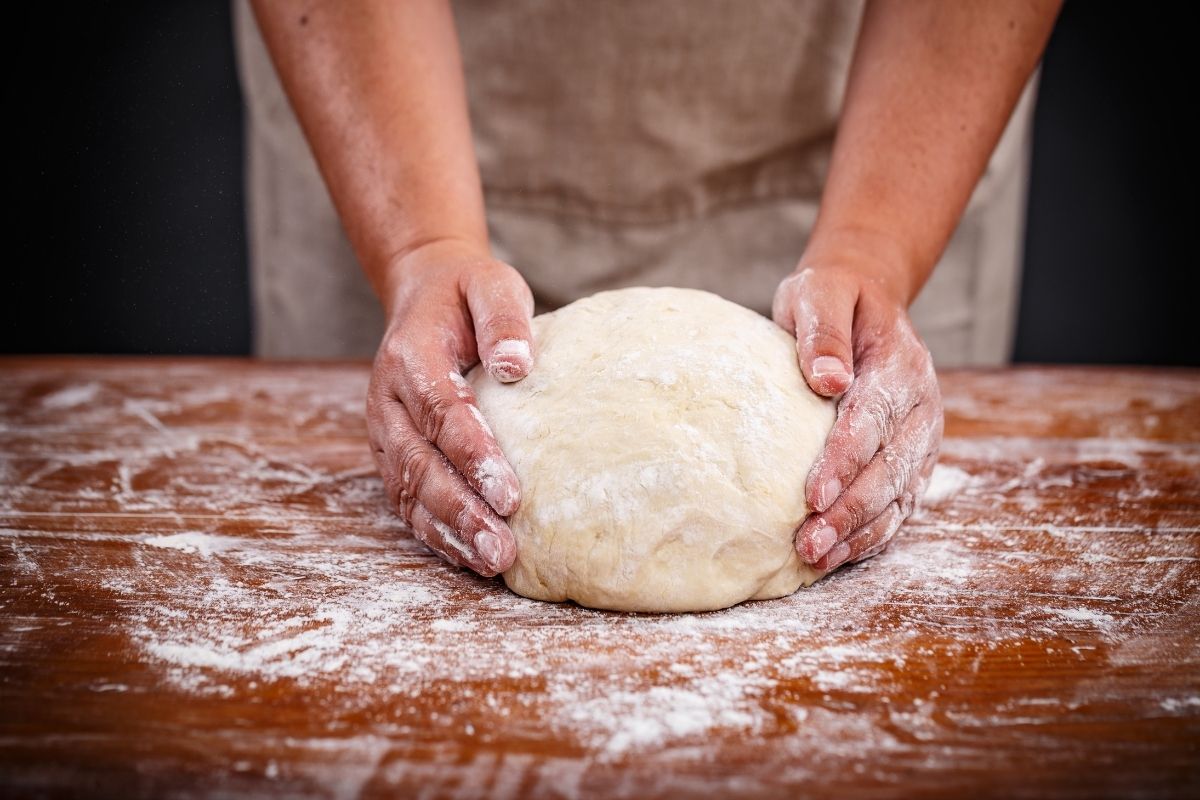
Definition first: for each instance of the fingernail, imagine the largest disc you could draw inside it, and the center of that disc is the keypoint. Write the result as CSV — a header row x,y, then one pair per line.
x,y
498,484
837,556
829,366
502,497
488,546
821,540
510,361
830,490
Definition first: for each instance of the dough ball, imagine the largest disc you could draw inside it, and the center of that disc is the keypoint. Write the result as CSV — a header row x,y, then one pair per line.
x,y
662,441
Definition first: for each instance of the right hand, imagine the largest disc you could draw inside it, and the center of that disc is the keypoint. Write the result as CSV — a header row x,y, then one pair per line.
x,y
855,341
451,306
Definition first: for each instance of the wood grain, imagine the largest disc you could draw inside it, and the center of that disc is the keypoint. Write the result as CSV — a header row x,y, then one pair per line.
x,y
202,593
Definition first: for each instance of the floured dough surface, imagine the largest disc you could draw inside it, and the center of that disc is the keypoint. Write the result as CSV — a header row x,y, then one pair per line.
x,y
662,441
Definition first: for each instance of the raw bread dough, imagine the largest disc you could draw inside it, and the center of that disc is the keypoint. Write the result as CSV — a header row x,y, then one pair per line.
x,y
662,441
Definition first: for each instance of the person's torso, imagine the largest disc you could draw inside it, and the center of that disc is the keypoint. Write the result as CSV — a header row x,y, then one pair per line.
x,y
646,112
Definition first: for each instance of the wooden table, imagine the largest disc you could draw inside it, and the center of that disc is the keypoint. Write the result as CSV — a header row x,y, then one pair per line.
x,y
203,593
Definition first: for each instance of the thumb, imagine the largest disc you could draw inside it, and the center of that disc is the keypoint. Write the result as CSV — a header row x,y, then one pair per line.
x,y
817,305
501,306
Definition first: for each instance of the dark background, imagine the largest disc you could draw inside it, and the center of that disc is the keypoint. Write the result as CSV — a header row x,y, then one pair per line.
x,y
128,233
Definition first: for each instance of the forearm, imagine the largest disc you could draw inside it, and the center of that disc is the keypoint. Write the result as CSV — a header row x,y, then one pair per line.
x,y
378,89
931,88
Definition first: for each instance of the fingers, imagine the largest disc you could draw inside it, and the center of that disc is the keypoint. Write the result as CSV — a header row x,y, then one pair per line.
x,y
434,498
867,418
894,471
880,451
870,539
501,307
438,537
442,404
866,541
818,307
441,464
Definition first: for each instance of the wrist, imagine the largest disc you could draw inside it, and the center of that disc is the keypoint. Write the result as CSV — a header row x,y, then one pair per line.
x,y
440,258
874,259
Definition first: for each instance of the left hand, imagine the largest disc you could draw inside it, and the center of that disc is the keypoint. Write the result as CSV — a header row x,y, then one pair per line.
x,y
854,339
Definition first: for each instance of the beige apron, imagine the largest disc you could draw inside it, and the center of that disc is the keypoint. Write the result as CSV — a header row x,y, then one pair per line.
x,y
678,142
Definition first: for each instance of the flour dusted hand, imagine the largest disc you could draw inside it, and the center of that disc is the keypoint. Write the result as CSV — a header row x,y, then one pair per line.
x,y
854,339
662,444
444,472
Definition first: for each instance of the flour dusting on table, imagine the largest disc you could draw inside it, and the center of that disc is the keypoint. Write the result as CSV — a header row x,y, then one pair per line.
x,y
374,619
266,565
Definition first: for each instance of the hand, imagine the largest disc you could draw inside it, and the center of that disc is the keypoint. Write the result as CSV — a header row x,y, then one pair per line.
x,y
451,306
854,338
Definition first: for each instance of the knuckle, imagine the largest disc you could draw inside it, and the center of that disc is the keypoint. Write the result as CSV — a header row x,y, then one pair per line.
x,y
502,281
431,412
898,471
847,429
803,282
412,466
467,510
504,323
393,352
465,518
840,461
790,284
880,413
854,506
822,335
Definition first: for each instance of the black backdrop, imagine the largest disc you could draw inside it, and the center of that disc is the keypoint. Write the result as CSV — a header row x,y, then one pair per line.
x,y
124,124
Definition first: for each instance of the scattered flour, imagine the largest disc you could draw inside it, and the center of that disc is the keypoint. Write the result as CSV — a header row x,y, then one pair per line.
x,y
269,559
1090,616
635,720
193,542
72,396
946,482
376,619
1177,704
